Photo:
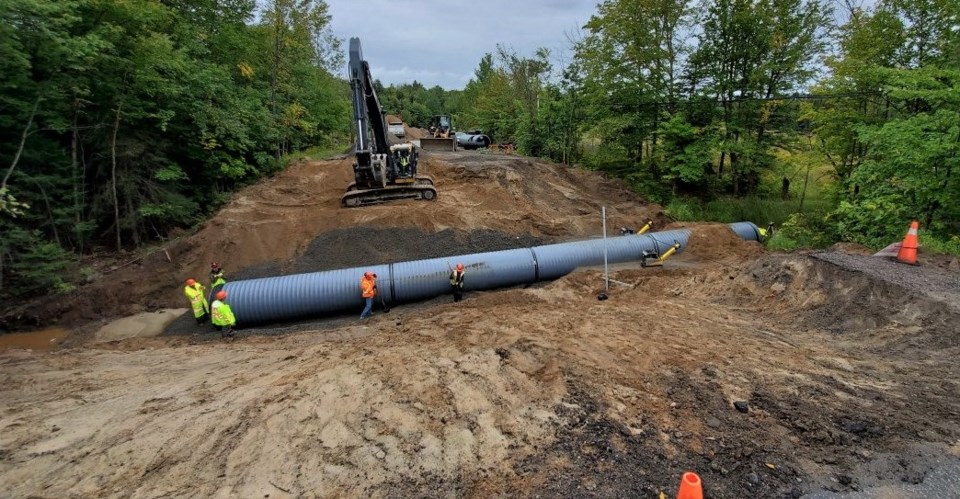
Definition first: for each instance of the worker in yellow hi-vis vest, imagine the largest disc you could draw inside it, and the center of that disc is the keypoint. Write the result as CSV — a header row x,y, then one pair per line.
x,y
198,301
222,316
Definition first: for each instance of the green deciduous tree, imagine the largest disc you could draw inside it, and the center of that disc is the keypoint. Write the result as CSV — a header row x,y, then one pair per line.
x,y
122,120
911,164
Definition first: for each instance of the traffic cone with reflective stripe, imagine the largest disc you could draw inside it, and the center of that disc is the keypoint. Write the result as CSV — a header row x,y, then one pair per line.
x,y
690,487
908,251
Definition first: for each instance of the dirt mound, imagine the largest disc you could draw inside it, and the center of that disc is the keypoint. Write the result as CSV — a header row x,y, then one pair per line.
x,y
815,293
265,228
716,242
412,133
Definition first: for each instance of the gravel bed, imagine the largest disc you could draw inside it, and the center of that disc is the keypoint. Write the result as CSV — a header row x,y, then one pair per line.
x,y
359,246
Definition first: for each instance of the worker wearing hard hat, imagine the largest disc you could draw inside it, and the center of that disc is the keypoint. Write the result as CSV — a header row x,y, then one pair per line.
x,y
198,302
368,290
456,282
222,316
217,280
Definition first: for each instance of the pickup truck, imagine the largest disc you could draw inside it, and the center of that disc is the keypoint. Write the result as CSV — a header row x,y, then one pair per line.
x,y
396,128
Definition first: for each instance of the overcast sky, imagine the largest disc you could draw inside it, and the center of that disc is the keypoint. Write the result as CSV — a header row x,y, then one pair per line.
x,y
439,42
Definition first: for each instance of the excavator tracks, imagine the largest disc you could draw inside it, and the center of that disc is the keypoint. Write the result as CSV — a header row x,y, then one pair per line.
x,y
421,188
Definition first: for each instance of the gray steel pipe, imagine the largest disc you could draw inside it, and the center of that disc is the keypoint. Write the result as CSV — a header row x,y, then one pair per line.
x,y
275,299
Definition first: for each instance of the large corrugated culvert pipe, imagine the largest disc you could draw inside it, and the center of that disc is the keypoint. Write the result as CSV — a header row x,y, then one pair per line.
x,y
276,299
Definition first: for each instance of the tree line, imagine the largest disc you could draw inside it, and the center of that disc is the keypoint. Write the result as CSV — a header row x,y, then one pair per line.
x,y
706,98
120,121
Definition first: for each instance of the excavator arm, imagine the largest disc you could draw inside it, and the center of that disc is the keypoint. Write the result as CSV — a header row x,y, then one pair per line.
x,y
370,122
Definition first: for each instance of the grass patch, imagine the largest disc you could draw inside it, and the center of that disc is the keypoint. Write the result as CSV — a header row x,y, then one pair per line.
x,y
782,241
325,152
930,243
332,147
758,210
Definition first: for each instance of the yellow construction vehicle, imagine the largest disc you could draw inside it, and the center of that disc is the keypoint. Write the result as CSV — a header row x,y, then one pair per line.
x,y
442,136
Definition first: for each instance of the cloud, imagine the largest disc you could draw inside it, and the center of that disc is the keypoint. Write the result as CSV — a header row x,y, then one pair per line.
x,y
441,42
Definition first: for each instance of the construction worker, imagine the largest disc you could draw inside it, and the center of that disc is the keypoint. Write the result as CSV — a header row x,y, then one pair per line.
x,y
766,233
368,290
221,315
198,301
216,275
456,282
217,280
404,162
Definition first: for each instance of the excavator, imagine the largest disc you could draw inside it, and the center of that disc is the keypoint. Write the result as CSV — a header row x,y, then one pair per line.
x,y
382,170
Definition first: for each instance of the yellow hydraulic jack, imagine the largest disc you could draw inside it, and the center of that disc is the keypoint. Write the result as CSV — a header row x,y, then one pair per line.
x,y
624,231
656,260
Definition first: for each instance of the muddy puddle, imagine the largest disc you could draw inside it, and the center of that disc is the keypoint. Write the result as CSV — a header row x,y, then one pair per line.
x,y
43,340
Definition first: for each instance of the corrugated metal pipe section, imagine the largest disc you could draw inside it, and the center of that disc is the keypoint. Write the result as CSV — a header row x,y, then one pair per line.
x,y
276,299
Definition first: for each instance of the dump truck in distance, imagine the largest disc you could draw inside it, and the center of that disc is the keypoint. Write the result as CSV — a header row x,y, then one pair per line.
x,y
397,129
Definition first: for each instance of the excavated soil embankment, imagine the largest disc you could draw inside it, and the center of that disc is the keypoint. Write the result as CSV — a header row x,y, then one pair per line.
x,y
285,223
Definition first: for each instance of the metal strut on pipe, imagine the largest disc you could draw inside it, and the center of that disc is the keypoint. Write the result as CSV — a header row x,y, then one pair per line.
x,y
283,298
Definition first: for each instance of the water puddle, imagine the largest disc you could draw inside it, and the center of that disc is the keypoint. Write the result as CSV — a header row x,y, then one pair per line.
x,y
44,339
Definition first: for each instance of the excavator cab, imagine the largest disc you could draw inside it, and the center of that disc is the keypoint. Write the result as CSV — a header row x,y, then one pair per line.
x,y
405,160
441,126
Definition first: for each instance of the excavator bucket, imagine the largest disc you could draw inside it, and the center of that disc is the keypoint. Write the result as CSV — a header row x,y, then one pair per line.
x,y
434,144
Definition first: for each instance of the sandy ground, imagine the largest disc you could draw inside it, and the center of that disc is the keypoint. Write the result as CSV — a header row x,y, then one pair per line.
x,y
142,325
846,373
536,391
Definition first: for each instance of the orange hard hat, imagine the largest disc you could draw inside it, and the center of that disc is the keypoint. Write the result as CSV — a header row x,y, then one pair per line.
x,y
221,295
459,266
191,282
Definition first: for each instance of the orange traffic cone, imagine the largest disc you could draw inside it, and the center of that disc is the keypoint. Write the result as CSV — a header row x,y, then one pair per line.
x,y
908,251
690,487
